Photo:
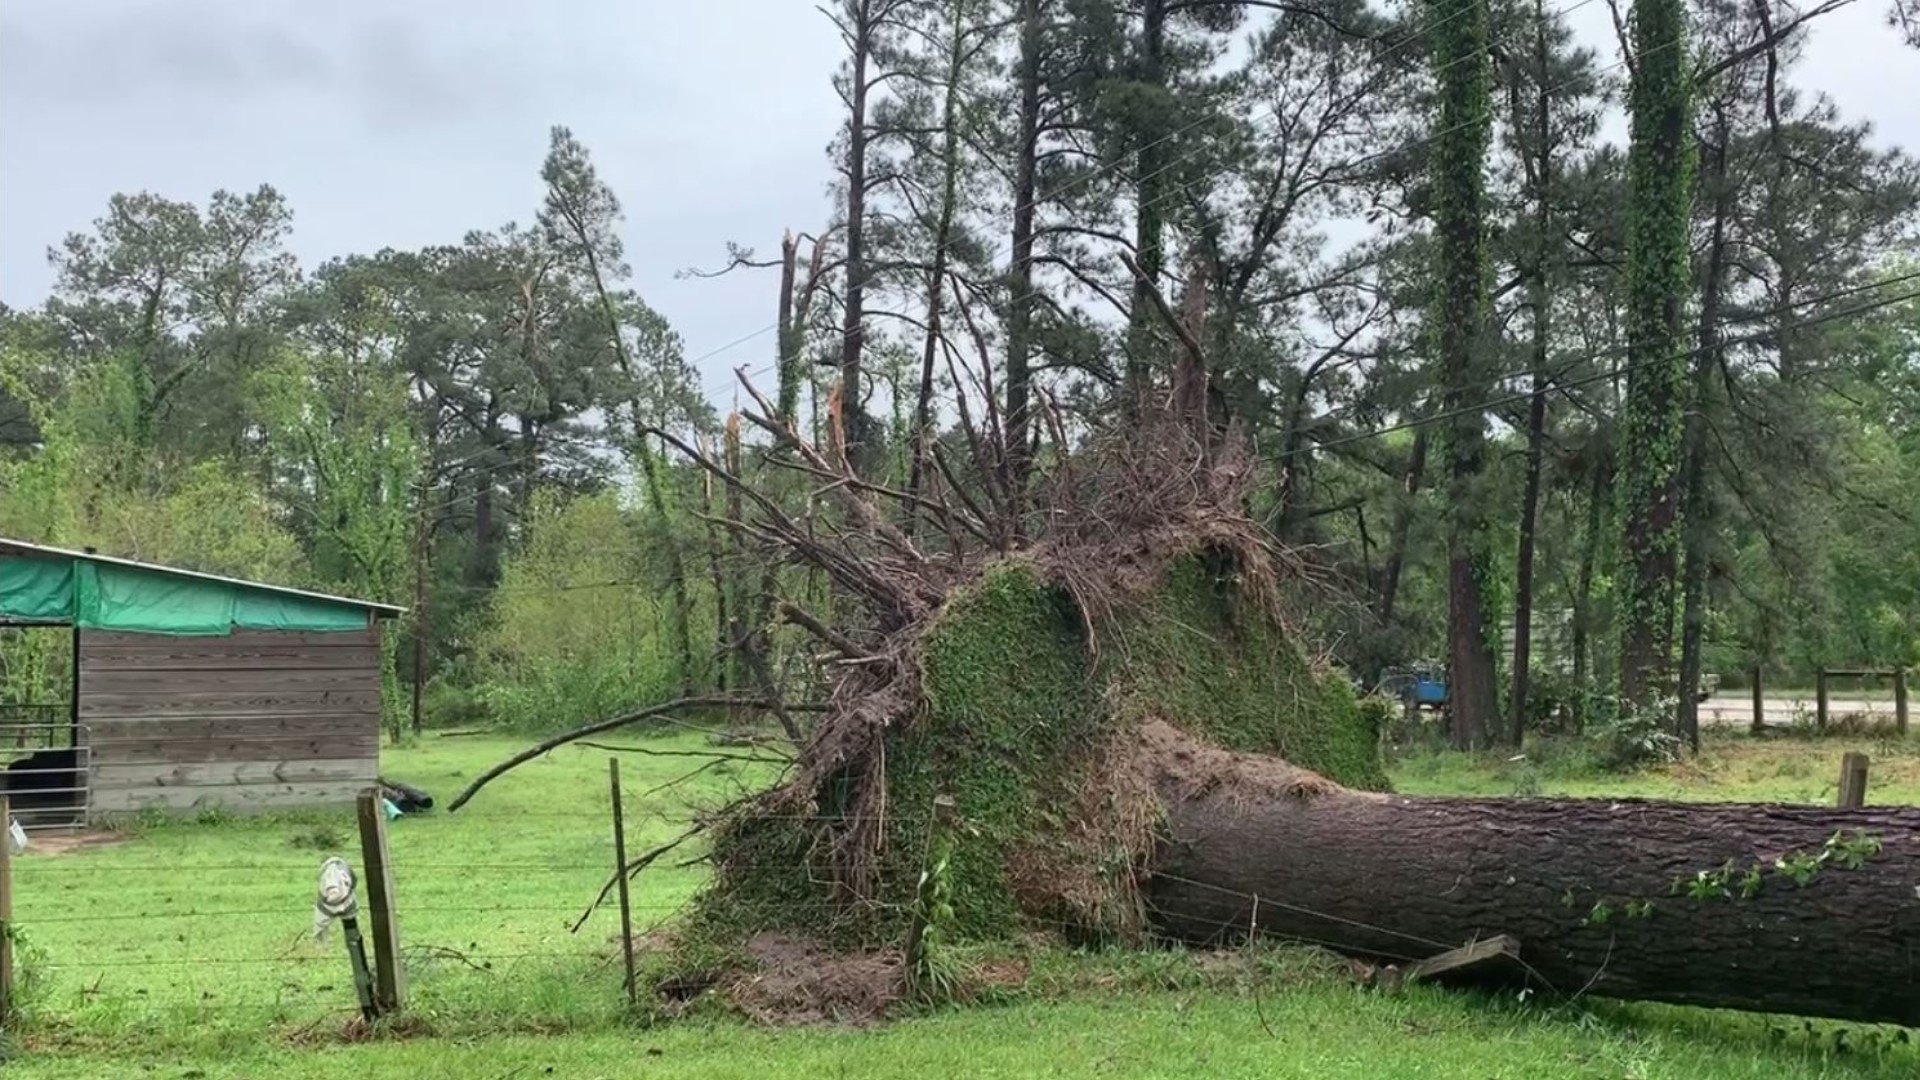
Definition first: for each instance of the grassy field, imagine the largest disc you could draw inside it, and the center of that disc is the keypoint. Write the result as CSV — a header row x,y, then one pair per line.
x,y
184,951
1731,767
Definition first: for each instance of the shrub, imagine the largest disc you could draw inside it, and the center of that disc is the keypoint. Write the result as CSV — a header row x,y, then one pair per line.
x,y
1629,737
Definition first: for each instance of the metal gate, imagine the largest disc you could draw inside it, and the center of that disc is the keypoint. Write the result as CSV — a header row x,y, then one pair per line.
x,y
45,767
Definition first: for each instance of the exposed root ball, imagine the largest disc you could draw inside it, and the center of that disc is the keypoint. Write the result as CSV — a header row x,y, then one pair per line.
x,y
1059,696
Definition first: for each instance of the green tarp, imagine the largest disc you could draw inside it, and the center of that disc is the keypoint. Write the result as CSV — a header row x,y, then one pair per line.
x,y
257,610
108,596
36,590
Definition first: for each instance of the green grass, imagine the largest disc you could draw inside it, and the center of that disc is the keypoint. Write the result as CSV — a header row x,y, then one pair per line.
x,y
194,936
1730,768
182,953
1315,1033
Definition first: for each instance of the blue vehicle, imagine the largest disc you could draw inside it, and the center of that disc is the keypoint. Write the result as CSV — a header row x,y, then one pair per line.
x,y
1417,686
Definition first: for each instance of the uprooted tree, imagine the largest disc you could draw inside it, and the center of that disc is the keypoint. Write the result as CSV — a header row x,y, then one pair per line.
x,y
1136,745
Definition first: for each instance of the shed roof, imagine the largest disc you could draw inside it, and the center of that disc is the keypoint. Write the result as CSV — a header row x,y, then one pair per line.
x,y
260,592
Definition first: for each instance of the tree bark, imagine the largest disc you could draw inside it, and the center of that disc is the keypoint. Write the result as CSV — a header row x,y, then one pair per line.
x,y
853,331
1523,567
1020,275
1659,212
1458,165
1150,161
658,496
1399,879
1541,177
937,277
1698,529
787,351
1401,530
1583,635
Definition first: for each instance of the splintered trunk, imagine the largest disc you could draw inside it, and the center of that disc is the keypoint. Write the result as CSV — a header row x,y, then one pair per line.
x,y
1641,900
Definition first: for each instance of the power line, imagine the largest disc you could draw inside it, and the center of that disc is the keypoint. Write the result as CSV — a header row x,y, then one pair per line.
x,y
1562,386
1439,392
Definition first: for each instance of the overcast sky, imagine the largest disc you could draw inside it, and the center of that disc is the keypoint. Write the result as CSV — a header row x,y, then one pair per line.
x,y
408,122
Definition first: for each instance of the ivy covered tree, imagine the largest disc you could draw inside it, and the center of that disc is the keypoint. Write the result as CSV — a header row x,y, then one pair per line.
x,y
1463,119
1659,278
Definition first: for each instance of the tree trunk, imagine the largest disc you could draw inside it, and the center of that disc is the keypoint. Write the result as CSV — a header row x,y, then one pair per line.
x,y
1658,280
1544,258
788,347
1020,276
1698,529
1583,636
1401,530
656,488
755,642
852,331
1523,568
725,614
1598,892
1463,128
1151,162
937,278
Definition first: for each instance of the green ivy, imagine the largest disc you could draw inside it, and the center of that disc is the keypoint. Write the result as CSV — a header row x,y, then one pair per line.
x,y
1659,277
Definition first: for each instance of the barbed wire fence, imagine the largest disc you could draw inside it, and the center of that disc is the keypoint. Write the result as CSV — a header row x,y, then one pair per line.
x,y
104,937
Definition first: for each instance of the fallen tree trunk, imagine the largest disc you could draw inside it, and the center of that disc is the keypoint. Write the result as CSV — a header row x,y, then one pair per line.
x,y
1765,908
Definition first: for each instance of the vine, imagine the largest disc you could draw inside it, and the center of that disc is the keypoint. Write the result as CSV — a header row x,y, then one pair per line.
x,y
1659,275
1736,881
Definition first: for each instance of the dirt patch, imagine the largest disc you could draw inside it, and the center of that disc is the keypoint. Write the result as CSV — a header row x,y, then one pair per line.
x,y
798,981
1184,768
56,844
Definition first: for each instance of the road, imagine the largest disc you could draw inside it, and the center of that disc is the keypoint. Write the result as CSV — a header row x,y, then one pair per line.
x,y
1738,709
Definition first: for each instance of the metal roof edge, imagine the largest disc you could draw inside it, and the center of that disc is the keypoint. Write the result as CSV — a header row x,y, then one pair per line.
x,y
384,610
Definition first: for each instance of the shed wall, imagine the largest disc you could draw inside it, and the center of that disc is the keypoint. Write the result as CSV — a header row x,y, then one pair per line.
x,y
258,720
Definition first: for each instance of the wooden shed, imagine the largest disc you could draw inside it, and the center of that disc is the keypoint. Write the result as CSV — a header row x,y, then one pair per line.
x,y
190,690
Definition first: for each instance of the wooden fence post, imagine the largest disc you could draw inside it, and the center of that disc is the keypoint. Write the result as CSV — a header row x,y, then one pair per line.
x,y
1900,700
1759,703
1820,699
620,875
1853,781
6,913
390,974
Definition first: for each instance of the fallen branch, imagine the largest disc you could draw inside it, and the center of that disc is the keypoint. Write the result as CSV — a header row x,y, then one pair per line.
x,y
719,755
633,868
806,620
596,728
648,859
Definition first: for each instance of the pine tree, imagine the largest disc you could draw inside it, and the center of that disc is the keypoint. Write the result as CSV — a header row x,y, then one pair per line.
x,y
1462,130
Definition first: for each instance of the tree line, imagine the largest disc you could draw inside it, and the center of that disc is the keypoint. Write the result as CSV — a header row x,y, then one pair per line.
x,y
1583,420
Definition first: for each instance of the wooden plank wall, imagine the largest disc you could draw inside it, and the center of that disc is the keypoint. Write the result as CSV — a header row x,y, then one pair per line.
x,y
261,720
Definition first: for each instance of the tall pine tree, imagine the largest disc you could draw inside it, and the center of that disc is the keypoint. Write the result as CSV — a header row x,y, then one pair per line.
x,y
1463,129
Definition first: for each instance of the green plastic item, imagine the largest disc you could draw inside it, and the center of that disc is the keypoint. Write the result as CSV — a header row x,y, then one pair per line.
x,y
108,596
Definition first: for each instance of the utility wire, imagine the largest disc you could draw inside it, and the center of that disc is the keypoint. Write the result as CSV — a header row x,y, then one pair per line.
x,y
1613,373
